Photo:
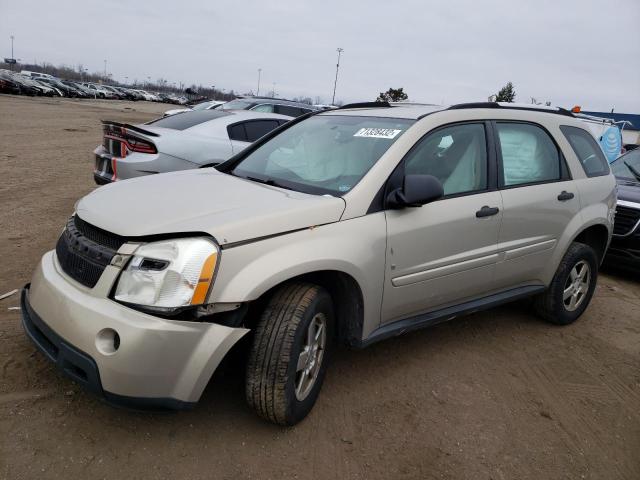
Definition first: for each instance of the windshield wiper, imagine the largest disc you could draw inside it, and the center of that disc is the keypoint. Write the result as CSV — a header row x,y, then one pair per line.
x,y
632,169
266,181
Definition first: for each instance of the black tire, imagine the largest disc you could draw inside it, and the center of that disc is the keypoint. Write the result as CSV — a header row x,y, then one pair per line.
x,y
550,305
277,344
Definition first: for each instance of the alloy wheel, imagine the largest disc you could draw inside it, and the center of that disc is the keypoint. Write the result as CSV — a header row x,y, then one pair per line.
x,y
311,355
577,286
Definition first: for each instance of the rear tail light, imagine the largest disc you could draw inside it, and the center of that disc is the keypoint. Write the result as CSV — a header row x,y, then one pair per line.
x,y
120,142
141,146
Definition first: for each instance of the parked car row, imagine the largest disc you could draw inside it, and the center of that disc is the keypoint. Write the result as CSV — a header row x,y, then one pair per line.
x,y
37,83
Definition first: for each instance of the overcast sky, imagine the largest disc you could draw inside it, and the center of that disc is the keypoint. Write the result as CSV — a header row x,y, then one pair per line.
x,y
569,52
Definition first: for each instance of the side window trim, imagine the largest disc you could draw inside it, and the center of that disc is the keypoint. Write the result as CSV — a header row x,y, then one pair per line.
x,y
492,155
565,173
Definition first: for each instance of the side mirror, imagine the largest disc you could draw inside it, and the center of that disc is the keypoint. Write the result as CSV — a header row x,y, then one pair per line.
x,y
416,191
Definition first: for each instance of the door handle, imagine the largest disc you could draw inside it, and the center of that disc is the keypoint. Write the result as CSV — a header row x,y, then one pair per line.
x,y
564,196
487,211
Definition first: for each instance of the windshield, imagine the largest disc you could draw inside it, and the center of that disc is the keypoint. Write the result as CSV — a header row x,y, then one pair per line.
x,y
201,106
627,166
238,105
325,154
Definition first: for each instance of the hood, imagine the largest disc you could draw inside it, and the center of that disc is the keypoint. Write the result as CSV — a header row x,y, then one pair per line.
x,y
628,191
229,208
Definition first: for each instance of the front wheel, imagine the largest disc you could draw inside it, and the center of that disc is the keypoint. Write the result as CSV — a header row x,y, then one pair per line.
x,y
572,286
288,358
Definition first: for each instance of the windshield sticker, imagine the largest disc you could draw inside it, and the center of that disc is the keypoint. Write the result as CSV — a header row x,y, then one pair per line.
x,y
377,132
344,188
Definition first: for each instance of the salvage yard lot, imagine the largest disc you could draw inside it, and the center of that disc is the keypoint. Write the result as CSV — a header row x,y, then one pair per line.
x,y
499,394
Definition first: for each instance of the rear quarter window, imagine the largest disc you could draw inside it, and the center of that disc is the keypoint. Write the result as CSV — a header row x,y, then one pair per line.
x,y
289,110
587,150
237,132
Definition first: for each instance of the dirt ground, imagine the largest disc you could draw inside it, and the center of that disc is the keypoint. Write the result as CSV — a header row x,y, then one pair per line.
x,y
496,395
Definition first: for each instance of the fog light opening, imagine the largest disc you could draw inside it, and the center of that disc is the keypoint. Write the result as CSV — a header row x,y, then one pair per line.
x,y
107,341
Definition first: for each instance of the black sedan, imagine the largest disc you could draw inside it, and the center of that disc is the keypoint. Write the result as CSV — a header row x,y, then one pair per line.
x,y
9,85
625,245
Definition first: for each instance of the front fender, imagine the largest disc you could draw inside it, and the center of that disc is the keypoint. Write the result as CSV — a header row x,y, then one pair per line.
x,y
355,247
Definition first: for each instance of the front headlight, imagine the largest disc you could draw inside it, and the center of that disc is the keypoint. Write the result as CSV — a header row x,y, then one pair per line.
x,y
169,274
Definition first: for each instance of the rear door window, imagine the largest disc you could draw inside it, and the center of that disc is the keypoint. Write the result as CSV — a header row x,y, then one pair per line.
x,y
259,128
587,150
529,155
251,130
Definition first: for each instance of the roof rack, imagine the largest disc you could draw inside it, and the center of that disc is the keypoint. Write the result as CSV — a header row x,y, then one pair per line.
x,y
534,108
366,105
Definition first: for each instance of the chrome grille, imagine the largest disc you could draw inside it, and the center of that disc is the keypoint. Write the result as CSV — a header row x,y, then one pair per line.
x,y
626,219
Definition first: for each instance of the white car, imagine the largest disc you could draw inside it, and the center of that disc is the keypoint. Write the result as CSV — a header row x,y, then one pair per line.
x,y
148,96
99,90
210,105
178,142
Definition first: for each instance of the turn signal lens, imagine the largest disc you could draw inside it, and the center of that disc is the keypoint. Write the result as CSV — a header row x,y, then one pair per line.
x,y
204,282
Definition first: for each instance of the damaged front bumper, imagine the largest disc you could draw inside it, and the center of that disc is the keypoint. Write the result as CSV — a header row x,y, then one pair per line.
x,y
155,363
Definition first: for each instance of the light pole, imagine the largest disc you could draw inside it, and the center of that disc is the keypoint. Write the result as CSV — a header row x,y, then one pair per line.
x,y
12,57
105,68
259,73
273,91
335,83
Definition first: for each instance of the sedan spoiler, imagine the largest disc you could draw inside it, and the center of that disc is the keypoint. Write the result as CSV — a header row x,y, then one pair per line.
x,y
129,127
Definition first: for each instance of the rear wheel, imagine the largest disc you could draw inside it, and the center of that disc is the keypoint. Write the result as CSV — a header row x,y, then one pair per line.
x,y
572,286
288,358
